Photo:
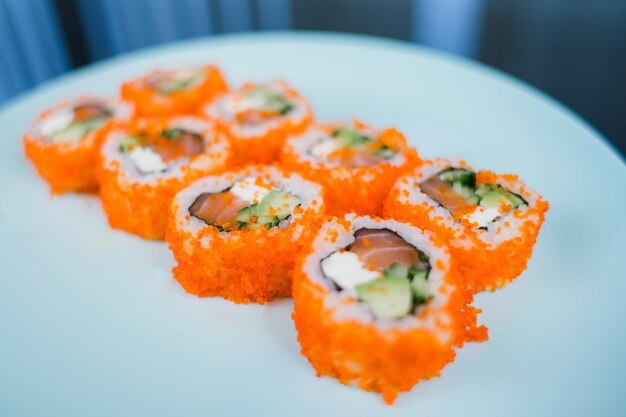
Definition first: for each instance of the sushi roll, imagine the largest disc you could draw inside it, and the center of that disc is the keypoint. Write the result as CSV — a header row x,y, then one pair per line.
x,y
258,117
236,235
356,164
489,221
143,164
63,143
177,91
377,304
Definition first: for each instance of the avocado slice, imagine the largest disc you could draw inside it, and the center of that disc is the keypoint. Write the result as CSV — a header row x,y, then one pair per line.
x,y
278,204
387,298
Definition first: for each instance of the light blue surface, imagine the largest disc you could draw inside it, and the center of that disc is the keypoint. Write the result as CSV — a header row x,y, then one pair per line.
x,y
92,323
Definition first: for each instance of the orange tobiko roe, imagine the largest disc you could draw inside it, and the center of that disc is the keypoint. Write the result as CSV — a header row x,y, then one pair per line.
x,y
482,266
67,167
143,208
149,102
360,189
390,360
264,148
242,266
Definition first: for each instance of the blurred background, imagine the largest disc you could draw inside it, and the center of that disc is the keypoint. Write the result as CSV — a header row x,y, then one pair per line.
x,y
574,50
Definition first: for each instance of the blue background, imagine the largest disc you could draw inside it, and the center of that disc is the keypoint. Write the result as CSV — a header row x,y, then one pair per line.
x,y
574,50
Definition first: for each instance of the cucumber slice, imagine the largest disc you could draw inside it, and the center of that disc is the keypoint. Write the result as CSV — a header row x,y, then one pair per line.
x,y
493,195
384,152
346,136
76,131
396,270
493,199
71,134
271,100
387,298
244,214
128,143
180,84
173,133
277,204
516,200
466,191
420,287
458,175
418,271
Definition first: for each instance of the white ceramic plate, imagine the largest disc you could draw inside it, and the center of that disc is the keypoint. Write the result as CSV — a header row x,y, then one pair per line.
x,y
92,323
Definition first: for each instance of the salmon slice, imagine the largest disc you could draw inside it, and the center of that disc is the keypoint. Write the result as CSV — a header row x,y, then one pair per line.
x,y
191,143
89,111
185,144
218,209
441,192
379,248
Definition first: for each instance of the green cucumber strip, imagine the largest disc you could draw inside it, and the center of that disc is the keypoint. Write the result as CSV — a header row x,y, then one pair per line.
x,y
419,287
349,137
396,270
244,214
173,133
277,203
384,152
128,143
271,100
458,175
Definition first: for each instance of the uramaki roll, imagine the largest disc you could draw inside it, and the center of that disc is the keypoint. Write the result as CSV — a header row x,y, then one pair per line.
x,y
356,164
169,92
489,221
379,305
63,143
236,235
258,117
145,163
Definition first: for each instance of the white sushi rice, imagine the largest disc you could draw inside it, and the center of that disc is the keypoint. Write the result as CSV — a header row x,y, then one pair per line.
x,y
497,232
227,107
306,191
315,144
437,319
143,168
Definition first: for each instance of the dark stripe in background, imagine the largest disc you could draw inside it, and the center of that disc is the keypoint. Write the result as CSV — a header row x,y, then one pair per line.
x,y
575,50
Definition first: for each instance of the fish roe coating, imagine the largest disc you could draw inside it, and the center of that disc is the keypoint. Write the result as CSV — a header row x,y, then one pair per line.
x,y
142,208
264,147
482,265
67,167
243,266
150,103
360,189
386,360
